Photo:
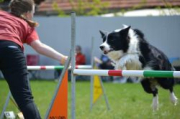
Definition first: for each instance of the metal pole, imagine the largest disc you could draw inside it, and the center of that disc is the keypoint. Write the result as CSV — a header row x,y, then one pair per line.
x,y
5,106
73,78
105,97
92,77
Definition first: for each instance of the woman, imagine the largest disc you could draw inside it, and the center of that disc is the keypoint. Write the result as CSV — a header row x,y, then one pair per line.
x,y
17,28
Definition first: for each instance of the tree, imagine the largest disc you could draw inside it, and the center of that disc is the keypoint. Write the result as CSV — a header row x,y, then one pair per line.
x,y
99,7
167,5
84,7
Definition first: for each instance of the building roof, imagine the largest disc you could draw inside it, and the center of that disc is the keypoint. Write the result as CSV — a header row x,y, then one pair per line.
x,y
113,5
46,7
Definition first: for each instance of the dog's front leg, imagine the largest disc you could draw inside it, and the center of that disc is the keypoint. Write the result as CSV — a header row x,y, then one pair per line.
x,y
121,65
155,103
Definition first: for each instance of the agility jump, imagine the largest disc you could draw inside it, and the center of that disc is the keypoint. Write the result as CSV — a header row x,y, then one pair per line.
x,y
126,73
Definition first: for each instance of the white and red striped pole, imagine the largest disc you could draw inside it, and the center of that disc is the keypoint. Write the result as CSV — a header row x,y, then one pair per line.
x,y
127,73
57,67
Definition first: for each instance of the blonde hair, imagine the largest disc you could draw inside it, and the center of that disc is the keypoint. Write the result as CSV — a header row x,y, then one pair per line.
x,y
19,7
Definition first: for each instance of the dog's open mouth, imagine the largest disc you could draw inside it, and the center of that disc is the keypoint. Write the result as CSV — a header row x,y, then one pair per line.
x,y
106,52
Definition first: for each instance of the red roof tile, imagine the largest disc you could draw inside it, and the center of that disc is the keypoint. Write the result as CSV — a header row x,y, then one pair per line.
x,y
65,5
113,5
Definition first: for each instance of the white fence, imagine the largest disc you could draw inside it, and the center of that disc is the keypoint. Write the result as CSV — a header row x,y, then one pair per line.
x,y
163,32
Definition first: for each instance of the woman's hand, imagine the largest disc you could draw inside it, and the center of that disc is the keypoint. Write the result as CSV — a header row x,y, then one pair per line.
x,y
63,60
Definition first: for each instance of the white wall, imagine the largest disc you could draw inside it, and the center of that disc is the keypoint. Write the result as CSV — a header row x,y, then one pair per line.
x,y
162,32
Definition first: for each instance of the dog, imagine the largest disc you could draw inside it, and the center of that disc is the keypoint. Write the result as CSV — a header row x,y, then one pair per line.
x,y
128,50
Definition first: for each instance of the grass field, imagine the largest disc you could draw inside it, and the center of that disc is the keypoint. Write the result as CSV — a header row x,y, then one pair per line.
x,y
127,101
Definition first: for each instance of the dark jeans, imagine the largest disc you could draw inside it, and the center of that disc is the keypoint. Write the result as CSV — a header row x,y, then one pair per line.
x,y
14,68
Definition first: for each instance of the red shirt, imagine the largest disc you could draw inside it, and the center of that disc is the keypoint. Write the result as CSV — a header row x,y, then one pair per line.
x,y
16,29
80,59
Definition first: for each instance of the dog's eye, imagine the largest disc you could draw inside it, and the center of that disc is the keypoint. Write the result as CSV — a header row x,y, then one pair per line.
x,y
111,40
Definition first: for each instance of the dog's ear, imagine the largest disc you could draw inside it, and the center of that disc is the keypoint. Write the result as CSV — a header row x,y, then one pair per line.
x,y
125,26
125,31
103,34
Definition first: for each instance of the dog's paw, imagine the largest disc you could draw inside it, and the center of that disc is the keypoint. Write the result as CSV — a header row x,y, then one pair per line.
x,y
113,64
155,107
155,103
174,99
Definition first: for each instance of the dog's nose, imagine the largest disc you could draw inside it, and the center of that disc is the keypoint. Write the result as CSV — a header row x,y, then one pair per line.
x,y
101,47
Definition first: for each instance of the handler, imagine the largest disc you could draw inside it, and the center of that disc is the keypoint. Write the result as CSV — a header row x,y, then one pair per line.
x,y
17,28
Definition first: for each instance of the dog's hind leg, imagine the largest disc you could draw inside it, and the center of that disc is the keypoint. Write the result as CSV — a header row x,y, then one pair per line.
x,y
168,84
149,88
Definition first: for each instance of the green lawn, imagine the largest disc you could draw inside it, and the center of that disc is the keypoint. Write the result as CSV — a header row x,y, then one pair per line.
x,y
127,101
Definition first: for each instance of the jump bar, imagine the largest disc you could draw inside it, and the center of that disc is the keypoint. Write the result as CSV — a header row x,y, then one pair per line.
x,y
128,73
57,67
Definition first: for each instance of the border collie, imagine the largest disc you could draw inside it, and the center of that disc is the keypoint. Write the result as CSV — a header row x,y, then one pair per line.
x,y
129,50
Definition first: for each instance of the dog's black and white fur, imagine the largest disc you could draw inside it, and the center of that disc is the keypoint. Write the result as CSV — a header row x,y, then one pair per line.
x,y
129,50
